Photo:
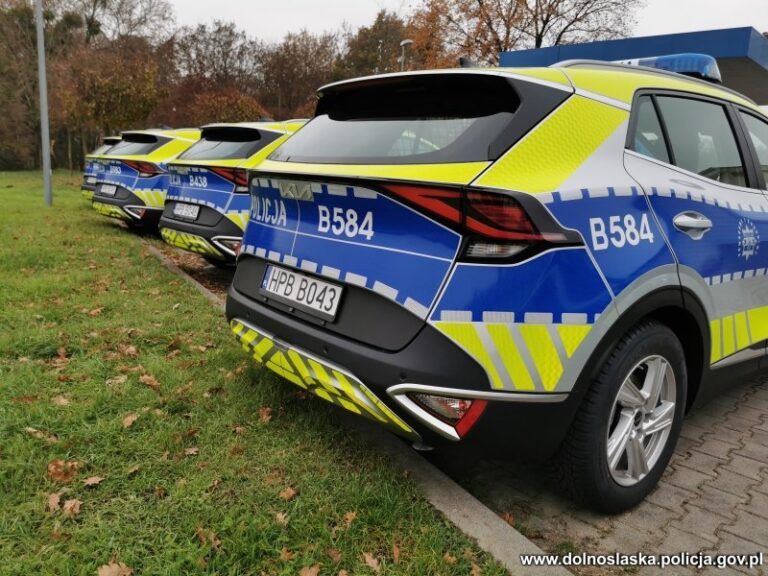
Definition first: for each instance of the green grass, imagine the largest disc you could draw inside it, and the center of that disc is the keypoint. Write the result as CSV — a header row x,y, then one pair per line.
x,y
85,312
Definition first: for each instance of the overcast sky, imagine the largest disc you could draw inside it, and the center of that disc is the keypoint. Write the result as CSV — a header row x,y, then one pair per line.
x,y
271,19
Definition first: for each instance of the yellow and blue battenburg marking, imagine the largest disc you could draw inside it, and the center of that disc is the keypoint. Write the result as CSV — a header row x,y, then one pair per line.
x,y
110,210
320,377
189,242
737,332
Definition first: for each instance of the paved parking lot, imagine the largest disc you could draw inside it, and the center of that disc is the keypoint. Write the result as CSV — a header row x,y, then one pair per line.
x,y
713,497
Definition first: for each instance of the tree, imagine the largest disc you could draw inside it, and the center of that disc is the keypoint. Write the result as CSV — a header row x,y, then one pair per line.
x,y
224,106
114,19
482,29
373,49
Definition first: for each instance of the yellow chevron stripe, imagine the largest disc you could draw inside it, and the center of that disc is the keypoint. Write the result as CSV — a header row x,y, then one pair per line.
x,y
742,331
465,334
510,356
714,330
758,323
544,354
729,341
572,336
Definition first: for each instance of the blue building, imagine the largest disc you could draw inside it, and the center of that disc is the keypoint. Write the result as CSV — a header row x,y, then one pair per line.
x,y
741,53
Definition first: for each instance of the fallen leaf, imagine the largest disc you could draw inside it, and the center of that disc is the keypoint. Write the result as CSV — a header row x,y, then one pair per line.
x,y
129,420
508,518
469,554
476,571
95,312
334,555
40,435
265,414
54,502
160,492
281,518
192,451
395,554
129,351
200,348
114,569
26,399
310,570
287,494
286,555
172,354
61,471
71,508
175,306
132,470
93,481
343,573
239,429
372,562
208,537
349,517
150,381
60,400
117,380
449,558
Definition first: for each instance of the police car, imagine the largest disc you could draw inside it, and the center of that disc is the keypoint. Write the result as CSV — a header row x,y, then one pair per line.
x,y
549,261
93,166
207,204
133,177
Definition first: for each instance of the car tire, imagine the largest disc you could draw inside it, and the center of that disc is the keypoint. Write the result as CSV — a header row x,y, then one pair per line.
x,y
600,463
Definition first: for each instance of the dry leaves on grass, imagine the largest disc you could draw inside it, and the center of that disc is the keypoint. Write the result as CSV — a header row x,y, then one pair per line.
x,y
395,553
286,555
476,571
129,350
71,508
132,470
95,312
191,451
117,380
208,537
372,562
449,558
281,518
40,435
150,381
265,414
60,400
54,502
287,494
114,569
93,481
310,570
129,420
61,471
508,518
334,555
239,430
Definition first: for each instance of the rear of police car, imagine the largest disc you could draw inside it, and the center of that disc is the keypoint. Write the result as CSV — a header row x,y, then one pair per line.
x,y
368,255
93,166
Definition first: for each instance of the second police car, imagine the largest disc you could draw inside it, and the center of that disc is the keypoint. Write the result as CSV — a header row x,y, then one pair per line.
x,y
93,166
207,204
133,177
554,262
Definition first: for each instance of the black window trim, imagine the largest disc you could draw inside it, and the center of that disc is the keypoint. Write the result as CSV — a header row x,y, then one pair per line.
x,y
742,144
739,110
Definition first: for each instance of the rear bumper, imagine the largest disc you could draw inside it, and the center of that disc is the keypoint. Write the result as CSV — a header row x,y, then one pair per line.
x,y
125,205
203,240
531,425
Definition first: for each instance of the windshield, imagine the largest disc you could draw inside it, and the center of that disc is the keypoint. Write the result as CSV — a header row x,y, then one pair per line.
x,y
229,144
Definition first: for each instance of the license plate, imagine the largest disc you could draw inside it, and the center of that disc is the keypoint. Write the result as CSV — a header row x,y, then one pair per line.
x,y
186,210
108,190
306,293
90,180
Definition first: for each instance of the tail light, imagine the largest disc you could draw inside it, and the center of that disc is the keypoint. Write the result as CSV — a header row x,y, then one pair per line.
x,y
238,176
461,413
496,225
145,169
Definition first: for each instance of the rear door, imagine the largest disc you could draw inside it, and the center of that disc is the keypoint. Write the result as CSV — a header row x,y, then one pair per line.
x,y
690,156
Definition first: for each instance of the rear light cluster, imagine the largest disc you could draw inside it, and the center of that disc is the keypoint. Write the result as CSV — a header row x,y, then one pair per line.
x,y
145,169
496,225
238,176
461,413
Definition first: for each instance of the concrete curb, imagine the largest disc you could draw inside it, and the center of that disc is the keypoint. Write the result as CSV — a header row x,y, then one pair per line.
x,y
471,516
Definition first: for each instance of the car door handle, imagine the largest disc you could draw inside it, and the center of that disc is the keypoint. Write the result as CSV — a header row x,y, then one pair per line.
x,y
693,224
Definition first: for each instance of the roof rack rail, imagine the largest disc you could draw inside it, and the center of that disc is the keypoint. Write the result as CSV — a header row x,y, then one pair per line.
x,y
646,69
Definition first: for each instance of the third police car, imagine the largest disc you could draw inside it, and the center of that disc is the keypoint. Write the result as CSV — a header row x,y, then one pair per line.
x,y
554,261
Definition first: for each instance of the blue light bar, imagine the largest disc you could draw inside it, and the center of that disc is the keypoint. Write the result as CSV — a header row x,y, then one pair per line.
x,y
689,64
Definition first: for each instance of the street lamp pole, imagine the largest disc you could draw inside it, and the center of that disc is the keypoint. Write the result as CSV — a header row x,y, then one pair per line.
x,y
45,132
403,45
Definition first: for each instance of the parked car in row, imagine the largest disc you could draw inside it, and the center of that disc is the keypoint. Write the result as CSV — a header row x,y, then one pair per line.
x,y
133,179
548,261
93,166
207,204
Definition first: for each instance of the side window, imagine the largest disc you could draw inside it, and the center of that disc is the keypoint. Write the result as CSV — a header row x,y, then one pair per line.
x,y
649,138
702,139
758,132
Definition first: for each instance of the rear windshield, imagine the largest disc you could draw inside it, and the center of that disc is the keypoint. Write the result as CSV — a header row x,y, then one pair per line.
x,y
229,144
137,145
101,149
417,119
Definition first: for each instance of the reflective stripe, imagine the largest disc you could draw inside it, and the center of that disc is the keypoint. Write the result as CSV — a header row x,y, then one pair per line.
x,y
539,162
465,334
544,354
572,336
513,362
717,352
742,331
758,323
189,242
729,342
